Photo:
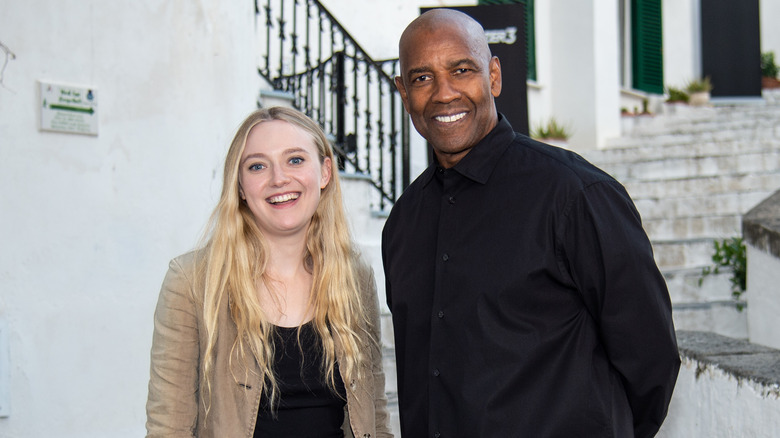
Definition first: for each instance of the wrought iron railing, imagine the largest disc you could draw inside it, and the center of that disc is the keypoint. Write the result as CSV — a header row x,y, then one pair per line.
x,y
308,53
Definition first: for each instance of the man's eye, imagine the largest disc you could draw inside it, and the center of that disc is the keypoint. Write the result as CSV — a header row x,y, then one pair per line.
x,y
462,70
421,78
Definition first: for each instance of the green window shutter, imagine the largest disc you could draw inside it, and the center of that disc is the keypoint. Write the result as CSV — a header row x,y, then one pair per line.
x,y
529,31
647,46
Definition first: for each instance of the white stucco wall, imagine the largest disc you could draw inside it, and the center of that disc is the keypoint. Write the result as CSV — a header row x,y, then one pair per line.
x,y
763,297
681,41
708,402
770,30
89,223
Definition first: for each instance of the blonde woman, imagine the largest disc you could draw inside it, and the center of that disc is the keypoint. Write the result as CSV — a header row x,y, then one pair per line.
x,y
271,328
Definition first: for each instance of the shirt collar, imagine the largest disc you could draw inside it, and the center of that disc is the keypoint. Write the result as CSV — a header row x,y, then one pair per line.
x,y
479,163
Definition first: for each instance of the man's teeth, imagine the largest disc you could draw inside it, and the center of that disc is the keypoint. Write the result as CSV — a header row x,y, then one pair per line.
x,y
283,198
450,119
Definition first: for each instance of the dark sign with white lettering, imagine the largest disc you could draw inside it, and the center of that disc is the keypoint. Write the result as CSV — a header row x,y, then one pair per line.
x,y
505,30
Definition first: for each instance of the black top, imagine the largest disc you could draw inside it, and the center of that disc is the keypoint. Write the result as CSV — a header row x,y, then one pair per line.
x,y
307,406
525,299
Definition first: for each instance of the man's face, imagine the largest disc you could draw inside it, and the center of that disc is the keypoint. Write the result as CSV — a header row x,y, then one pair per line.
x,y
448,84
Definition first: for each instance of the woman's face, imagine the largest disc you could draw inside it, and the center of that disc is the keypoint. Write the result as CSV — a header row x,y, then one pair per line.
x,y
280,177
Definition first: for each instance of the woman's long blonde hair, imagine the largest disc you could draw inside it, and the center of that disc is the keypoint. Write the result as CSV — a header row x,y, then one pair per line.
x,y
235,259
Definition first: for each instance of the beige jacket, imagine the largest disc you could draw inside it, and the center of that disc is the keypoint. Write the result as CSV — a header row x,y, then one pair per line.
x,y
176,406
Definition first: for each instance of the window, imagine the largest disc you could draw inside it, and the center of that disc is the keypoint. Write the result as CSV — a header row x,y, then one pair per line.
x,y
529,30
647,69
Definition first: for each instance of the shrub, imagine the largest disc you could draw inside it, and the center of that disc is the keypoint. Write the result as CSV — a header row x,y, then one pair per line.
x,y
768,66
699,85
676,95
731,254
551,129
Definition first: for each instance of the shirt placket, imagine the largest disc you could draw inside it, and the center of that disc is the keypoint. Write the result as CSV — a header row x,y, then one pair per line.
x,y
438,403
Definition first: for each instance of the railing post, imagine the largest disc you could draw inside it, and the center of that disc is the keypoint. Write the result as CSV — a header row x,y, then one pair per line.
x,y
341,103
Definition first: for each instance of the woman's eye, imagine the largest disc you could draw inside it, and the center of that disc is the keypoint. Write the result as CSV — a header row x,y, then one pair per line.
x,y
256,166
296,160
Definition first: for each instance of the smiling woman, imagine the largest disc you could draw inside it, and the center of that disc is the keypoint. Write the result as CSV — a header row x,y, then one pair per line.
x,y
272,325
281,177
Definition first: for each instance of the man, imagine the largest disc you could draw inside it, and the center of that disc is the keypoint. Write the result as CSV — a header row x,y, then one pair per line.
x,y
525,298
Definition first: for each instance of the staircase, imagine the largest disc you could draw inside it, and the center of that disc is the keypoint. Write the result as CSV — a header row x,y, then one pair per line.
x,y
693,172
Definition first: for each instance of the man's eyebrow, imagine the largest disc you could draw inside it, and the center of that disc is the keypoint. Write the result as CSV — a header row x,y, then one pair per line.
x,y
465,61
457,63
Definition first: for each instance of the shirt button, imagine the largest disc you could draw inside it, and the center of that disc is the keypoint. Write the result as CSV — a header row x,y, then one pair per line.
x,y
436,372
451,200
445,257
440,314
437,435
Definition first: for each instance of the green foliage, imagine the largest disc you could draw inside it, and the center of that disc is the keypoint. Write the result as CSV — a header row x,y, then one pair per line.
x,y
551,129
676,95
698,85
768,66
730,254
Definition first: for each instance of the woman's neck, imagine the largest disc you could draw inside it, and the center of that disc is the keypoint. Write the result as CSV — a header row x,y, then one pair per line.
x,y
285,295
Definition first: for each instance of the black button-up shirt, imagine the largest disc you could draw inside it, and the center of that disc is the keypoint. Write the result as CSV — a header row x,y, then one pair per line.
x,y
525,299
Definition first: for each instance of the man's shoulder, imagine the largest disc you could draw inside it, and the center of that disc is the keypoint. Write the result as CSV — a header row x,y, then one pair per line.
x,y
556,161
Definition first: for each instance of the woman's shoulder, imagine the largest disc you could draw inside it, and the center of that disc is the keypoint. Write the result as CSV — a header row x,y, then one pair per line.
x,y
363,270
189,261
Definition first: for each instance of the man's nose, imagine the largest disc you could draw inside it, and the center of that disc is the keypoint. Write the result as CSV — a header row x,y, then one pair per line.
x,y
445,90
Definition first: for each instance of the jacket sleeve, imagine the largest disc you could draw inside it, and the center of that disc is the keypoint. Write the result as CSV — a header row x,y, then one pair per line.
x,y
380,398
172,405
610,259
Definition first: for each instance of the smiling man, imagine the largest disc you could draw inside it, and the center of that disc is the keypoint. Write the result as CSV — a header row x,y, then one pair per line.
x,y
525,298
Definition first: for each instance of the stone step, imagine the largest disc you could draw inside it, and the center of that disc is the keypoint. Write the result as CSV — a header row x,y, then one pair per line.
x,y
702,227
688,285
718,317
679,119
683,145
699,205
673,255
688,167
703,185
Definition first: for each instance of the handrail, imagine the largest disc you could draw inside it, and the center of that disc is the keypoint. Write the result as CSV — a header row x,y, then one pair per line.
x,y
308,53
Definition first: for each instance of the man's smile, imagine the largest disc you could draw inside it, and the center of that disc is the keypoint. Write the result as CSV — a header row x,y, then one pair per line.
x,y
451,118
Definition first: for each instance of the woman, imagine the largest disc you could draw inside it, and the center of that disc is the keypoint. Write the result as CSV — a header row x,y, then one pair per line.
x,y
271,328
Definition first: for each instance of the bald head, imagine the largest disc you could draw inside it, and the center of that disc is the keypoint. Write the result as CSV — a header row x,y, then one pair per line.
x,y
448,82
446,20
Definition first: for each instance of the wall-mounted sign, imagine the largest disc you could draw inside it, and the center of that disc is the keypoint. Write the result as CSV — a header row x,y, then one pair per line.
x,y
66,108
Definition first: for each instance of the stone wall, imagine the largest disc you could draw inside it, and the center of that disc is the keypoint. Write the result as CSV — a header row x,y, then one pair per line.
x,y
761,230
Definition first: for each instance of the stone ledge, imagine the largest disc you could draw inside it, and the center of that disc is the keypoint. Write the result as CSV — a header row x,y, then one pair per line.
x,y
734,356
761,225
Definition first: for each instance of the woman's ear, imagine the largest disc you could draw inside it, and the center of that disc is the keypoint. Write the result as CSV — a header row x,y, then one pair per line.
x,y
326,172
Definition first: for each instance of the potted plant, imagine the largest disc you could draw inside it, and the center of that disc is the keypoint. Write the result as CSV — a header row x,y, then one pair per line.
x,y
699,91
769,71
676,95
551,131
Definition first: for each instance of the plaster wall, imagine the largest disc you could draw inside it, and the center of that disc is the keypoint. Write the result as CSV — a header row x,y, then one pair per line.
x,y
89,223
681,41
710,402
763,276
770,31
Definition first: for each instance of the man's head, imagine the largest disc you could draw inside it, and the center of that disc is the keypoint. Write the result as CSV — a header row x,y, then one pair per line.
x,y
449,82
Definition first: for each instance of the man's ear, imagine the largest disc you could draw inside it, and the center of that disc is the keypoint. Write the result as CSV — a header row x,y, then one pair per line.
x,y
495,76
399,84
